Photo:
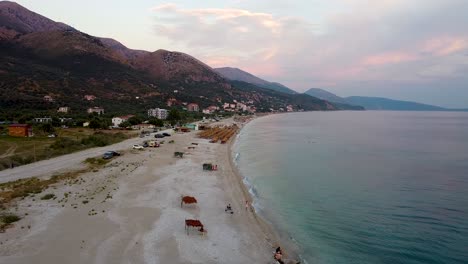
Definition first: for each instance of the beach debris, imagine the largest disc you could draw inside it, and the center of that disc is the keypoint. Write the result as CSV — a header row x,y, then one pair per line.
x,y
178,154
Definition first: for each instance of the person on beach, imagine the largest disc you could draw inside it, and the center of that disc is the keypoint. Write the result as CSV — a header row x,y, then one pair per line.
x,y
246,205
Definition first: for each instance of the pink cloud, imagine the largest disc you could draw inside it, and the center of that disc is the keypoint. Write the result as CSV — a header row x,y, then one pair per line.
x,y
388,58
443,46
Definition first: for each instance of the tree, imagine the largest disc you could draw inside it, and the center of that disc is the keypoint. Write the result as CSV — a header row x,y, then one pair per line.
x,y
55,121
173,115
156,122
125,124
134,120
94,124
47,128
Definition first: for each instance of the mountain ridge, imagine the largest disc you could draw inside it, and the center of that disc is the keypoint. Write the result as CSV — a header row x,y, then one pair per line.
x,y
67,64
377,103
237,74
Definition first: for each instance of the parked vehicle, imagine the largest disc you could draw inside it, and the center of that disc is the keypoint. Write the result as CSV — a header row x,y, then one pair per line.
x,y
159,136
153,144
110,154
166,134
137,146
145,144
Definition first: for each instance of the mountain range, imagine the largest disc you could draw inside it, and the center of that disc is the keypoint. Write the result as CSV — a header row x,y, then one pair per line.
x,y
41,57
236,74
376,103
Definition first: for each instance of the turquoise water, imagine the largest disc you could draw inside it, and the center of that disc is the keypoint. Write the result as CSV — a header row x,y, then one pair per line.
x,y
362,187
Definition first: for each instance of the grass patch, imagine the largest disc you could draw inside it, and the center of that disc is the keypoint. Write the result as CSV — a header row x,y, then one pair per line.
x,y
96,161
7,219
48,196
28,150
26,187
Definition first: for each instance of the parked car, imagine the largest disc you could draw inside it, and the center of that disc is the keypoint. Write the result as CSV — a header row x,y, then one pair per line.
x,y
137,146
159,136
110,154
166,134
145,145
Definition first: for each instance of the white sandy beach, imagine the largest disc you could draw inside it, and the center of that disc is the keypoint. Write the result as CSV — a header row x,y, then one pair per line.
x,y
133,213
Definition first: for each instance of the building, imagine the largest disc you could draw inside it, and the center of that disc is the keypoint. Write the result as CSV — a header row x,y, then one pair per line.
x,y
20,130
242,107
143,126
89,97
171,102
42,120
48,98
192,107
63,109
158,113
116,121
98,110
210,109
289,108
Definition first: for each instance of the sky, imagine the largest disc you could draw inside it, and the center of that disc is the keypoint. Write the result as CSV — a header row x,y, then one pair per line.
x,y
402,49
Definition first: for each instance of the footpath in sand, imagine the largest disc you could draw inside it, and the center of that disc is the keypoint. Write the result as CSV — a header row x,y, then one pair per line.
x,y
129,211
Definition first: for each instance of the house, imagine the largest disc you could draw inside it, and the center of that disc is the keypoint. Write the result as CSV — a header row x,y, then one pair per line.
x,y
192,107
98,110
116,121
192,126
86,124
63,109
210,109
171,102
48,98
289,108
143,126
89,97
242,107
20,130
42,120
158,113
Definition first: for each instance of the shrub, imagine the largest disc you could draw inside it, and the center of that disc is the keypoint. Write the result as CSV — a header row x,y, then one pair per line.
x,y
48,196
9,218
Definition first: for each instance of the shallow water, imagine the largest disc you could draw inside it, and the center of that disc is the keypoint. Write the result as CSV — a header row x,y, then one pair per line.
x,y
362,187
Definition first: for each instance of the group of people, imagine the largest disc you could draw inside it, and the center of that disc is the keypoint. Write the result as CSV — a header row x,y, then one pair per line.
x,y
229,209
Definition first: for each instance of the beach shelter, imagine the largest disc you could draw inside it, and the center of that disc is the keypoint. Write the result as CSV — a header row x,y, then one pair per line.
x,y
194,223
188,200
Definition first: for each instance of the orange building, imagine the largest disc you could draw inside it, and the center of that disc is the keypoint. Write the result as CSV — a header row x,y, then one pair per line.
x,y
20,130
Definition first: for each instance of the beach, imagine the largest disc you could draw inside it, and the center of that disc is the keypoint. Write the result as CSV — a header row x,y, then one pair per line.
x,y
129,211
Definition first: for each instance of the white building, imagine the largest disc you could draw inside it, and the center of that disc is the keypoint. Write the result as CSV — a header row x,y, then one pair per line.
x,y
42,120
158,113
116,121
98,110
63,109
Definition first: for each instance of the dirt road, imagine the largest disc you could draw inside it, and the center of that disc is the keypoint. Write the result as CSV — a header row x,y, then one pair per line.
x,y
66,162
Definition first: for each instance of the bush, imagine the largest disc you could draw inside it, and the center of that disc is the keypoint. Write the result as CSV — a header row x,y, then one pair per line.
x,y
48,196
63,143
9,218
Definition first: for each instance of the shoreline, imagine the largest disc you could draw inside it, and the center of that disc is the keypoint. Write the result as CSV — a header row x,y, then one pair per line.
x,y
272,234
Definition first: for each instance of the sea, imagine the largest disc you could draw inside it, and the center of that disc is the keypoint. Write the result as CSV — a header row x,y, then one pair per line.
x,y
361,186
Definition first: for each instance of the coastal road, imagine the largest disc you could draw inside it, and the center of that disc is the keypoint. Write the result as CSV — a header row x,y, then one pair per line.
x,y
67,162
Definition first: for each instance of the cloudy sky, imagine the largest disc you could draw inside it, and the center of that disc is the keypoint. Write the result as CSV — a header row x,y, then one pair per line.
x,y
403,49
